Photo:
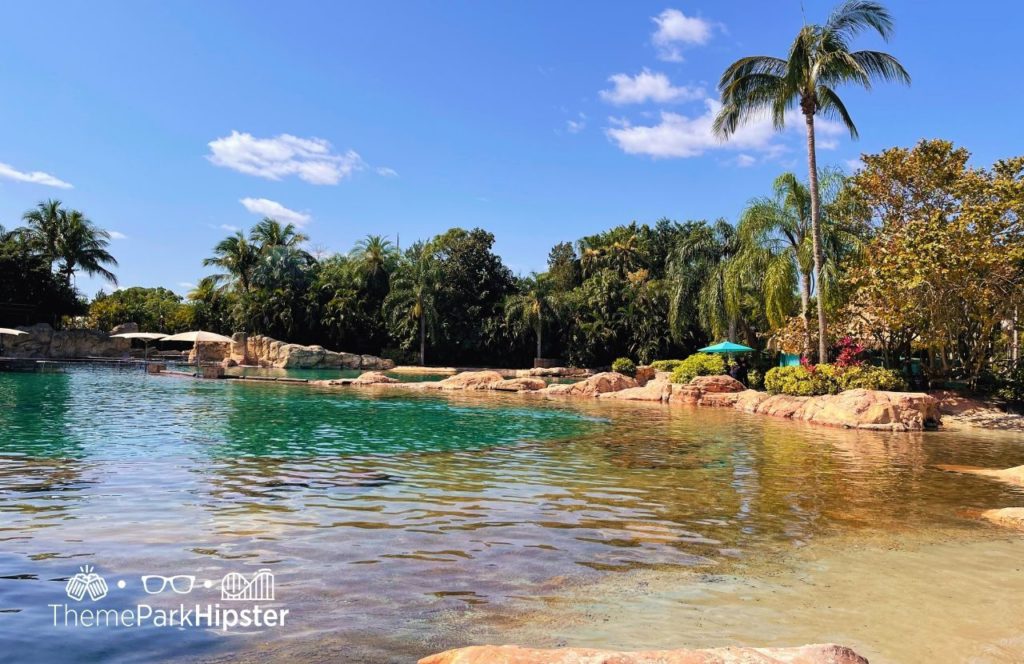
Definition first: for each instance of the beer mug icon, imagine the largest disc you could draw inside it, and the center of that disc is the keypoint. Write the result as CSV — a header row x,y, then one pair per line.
x,y
86,582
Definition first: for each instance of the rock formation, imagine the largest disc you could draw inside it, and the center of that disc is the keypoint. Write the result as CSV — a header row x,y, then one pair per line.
x,y
43,342
812,654
264,351
609,381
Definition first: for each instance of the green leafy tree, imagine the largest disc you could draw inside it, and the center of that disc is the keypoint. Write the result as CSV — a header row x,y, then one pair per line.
x,y
528,308
411,304
819,61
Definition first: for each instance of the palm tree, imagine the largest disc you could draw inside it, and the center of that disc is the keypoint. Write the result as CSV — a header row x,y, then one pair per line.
x,y
411,298
700,265
270,233
44,227
819,60
83,246
376,257
527,307
237,257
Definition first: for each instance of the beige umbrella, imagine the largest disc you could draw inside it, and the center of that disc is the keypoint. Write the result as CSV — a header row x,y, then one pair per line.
x,y
145,336
197,337
12,332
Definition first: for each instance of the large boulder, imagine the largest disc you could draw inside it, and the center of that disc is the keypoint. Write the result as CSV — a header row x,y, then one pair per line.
x,y
467,380
719,383
749,400
812,654
608,381
652,390
267,352
524,384
375,363
875,409
645,373
374,378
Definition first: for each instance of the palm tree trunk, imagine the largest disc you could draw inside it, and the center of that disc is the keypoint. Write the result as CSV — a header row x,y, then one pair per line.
x,y
540,328
812,176
423,340
805,305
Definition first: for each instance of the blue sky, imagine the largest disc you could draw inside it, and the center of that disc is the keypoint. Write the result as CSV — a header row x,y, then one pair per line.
x,y
170,124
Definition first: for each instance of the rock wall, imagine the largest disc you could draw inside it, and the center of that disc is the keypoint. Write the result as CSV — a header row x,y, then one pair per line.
x,y
264,351
43,342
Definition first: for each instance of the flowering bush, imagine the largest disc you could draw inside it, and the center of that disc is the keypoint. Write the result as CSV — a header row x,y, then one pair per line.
x,y
849,353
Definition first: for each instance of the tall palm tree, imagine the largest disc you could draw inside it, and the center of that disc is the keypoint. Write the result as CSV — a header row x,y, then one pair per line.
x,y
528,307
819,60
700,265
83,246
376,257
270,233
237,257
411,298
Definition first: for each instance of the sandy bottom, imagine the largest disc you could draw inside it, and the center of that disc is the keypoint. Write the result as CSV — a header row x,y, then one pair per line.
x,y
912,600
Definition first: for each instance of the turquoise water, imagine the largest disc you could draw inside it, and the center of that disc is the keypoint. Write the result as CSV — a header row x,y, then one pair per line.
x,y
401,524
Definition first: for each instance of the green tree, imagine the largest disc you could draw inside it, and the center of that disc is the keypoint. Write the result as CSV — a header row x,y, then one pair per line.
x,y
411,303
269,233
237,257
71,240
819,61
528,308
700,266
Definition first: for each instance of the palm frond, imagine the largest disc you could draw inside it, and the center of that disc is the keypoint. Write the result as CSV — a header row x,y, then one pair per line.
x,y
831,106
855,16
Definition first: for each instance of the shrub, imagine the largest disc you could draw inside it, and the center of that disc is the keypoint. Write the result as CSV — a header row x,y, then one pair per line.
x,y
814,380
624,366
665,365
1011,387
871,378
698,364
755,380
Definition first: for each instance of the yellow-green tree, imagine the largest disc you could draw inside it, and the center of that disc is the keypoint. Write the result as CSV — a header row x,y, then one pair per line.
x,y
946,264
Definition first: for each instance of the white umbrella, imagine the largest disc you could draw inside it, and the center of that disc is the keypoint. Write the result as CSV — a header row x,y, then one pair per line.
x,y
197,337
145,336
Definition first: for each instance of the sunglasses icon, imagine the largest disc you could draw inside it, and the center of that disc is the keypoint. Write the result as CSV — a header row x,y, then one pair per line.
x,y
155,584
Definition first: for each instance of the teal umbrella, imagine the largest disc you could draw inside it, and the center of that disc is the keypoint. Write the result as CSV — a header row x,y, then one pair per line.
x,y
726,347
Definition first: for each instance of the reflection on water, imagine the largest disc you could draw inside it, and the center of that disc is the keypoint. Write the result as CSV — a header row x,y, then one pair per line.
x,y
400,524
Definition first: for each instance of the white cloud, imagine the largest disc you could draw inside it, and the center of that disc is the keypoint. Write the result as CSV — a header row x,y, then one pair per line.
x,y
678,135
675,29
647,86
274,210
229,228
186,284
117,235
577,125
387,172
35,177
311,159
854,165
745,161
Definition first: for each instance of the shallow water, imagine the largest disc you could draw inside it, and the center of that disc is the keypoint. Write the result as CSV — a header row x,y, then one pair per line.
x,y
400,524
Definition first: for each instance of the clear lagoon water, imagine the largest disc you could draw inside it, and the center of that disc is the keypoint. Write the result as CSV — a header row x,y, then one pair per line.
x,y
398,524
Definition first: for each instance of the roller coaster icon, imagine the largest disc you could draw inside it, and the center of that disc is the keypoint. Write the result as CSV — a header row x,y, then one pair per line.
x,y
260,588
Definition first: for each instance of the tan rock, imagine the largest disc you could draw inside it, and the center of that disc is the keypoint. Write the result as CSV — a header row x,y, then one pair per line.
x,y
608,381
721,383
374,378
686,394
1008,517
783,405
874,409
1013,475
653,390
644,374
468,380
719,399
749,400
124,328
42,341
811,654
524,384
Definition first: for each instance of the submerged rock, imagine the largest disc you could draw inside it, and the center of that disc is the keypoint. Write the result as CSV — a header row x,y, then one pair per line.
x,y
374,378
1008,517
811,654
467,380
1013,475
525,384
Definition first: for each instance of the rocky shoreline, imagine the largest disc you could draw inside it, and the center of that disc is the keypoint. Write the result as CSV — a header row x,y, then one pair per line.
x,y
855,409
809,654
